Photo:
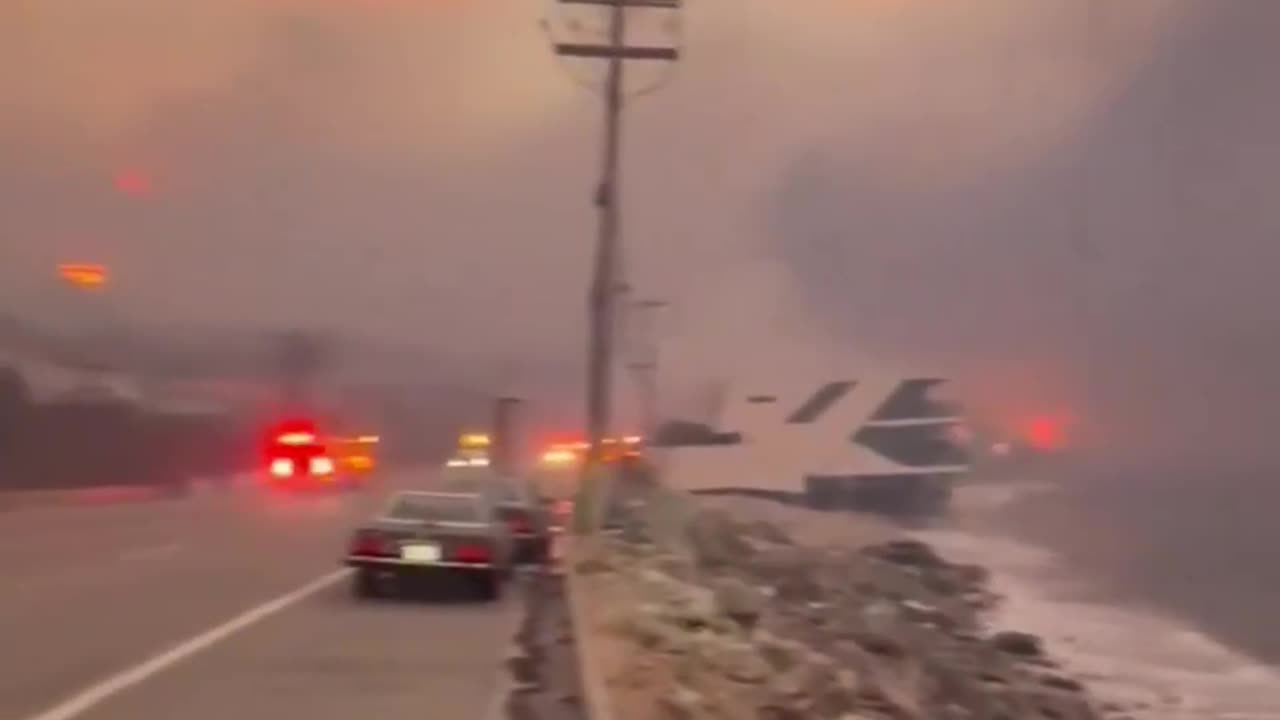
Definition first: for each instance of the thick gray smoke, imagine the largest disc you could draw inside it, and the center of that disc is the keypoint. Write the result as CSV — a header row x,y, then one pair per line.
x,y
1065,200
352,166
1123,274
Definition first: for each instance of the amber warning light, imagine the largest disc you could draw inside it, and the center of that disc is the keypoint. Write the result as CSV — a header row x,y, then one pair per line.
x,y
296,438
474,441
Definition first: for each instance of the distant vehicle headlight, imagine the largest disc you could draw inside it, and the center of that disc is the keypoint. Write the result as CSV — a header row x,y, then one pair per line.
x,y
282,467
480,462
321,466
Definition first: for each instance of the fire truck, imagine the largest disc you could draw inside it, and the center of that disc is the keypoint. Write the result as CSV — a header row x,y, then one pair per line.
x,y
355,454
559,466
299,457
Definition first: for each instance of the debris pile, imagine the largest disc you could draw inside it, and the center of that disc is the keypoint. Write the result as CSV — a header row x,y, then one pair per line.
x,y
741,622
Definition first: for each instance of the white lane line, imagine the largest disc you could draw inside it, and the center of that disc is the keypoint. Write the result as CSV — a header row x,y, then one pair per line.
x,y
92,696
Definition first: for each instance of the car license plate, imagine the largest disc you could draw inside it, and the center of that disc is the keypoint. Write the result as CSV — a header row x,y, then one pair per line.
x,y
429,553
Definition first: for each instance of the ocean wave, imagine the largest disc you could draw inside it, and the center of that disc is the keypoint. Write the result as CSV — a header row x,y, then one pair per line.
x,y
1136,657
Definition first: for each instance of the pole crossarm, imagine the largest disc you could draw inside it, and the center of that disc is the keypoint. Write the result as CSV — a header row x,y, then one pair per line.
x,y
655,4
584,50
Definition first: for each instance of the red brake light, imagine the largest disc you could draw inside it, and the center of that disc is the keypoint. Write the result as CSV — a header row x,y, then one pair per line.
x,y
371,543
472,554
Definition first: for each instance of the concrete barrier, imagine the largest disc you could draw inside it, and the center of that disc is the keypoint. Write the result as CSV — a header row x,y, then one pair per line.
x,y
663,515
595,693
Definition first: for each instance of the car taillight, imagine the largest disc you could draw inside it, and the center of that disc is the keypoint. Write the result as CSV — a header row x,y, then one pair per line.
x,y
321,466
472,553
282,467
372,543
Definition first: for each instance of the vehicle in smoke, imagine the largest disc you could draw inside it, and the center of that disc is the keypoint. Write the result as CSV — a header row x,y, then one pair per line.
x,y
559,465
298,457
472,450
519,504
1020,446
424,533
571,454
355,455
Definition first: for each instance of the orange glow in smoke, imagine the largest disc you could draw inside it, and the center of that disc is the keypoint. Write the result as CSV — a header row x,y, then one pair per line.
x,y
85,276
1046,433
133,182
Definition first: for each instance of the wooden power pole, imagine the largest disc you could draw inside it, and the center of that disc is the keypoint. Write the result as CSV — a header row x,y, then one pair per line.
x,y
602,295
604,281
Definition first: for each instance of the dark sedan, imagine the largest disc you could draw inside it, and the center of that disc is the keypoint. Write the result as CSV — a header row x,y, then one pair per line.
x,y
525,512
422,533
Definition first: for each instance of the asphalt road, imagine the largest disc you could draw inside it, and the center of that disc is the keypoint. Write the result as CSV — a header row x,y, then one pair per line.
x,y
228,605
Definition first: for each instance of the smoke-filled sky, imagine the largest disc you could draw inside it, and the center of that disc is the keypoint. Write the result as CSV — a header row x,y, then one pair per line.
x,y
1065,203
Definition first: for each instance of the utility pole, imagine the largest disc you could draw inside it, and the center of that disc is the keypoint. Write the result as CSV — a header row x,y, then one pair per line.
x,y
602,293
506,450
644,362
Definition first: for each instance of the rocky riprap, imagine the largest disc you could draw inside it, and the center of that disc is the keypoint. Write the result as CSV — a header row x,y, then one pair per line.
x,y
738,622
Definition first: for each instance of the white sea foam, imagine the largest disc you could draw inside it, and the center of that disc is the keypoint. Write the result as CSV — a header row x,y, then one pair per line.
x,y
1154,665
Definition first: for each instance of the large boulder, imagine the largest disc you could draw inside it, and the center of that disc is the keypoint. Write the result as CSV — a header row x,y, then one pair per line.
x,y
682,703
794,574
1019,644
717,540
651,631
909,553
737,660
739,601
